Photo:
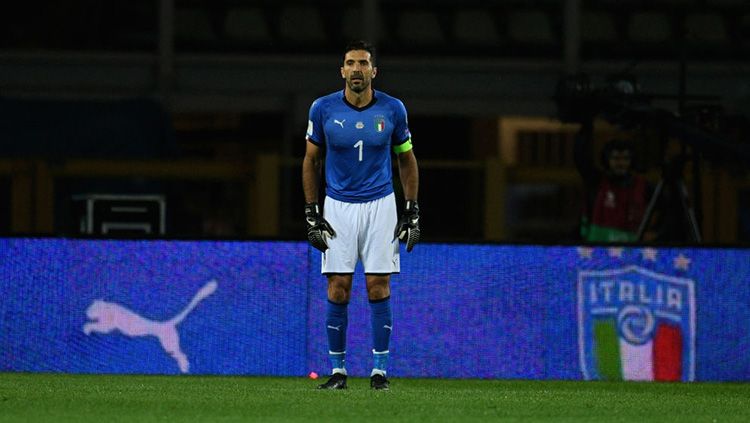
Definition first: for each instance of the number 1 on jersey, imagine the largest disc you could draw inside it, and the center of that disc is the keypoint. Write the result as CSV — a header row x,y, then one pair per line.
x,y
359,145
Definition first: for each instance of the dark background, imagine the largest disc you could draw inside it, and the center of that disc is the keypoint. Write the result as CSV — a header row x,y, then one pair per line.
x,y
227,84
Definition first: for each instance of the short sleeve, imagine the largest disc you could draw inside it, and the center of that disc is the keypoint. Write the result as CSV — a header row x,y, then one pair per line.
x,y
401,132
315,124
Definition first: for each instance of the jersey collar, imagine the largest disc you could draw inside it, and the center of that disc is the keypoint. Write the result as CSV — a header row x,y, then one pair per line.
x,y
360,109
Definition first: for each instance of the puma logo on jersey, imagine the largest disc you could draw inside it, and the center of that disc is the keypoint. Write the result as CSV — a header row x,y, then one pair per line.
x,y
336,328
339,122
388,327
107,317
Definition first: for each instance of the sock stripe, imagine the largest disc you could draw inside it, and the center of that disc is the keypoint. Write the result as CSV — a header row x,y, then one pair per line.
x,y
380,300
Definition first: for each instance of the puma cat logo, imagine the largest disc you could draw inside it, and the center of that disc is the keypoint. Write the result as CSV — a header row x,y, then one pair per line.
x,y
339,122
106,317
337,328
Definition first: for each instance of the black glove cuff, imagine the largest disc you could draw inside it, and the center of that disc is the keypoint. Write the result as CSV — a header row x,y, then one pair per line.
x,y
312,208
411,206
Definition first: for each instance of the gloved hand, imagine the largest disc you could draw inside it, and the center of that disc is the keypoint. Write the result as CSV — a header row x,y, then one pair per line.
x,y
317,227
407,228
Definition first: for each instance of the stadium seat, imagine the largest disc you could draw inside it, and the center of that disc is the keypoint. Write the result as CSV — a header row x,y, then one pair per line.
x,y
193,25
247,24
353,29
530,26
649,27
135,26
707,27
302,24
598,27
419,27
725,2
475,27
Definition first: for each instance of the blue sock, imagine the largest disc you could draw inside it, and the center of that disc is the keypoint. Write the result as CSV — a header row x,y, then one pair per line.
x,y
336,322
382,325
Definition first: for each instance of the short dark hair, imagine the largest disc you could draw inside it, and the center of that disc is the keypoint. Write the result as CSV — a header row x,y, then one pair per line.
x,y
361,45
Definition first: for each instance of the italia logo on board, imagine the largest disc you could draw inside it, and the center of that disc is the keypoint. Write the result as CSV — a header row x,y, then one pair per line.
x,y
635,323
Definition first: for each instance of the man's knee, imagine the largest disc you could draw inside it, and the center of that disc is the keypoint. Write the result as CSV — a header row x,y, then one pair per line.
x,y
339,288
338,295
378,287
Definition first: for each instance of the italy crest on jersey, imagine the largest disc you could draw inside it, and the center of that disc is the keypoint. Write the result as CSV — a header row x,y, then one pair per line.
x,y
379,123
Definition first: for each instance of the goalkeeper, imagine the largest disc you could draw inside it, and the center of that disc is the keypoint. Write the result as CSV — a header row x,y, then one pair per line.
x,y
358,128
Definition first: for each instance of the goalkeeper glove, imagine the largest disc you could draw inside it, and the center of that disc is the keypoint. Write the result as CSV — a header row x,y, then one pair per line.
x,y
317,227
408,225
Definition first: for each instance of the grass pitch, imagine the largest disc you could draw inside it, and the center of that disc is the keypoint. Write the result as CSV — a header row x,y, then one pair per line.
x,y
105,398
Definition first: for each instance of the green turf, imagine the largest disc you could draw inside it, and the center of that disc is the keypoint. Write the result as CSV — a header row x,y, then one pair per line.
x,y
97,398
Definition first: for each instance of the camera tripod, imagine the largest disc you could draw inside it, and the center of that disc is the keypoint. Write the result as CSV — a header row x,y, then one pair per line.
x,y
672,176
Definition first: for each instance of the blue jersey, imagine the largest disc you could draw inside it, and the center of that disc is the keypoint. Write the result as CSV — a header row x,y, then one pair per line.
x,y
358,144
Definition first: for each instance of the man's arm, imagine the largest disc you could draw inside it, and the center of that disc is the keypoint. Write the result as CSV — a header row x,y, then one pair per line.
x,y
407,228
311,168
318,229
409,174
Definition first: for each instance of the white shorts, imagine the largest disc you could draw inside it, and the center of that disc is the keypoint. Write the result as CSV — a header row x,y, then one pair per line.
x,y
364,231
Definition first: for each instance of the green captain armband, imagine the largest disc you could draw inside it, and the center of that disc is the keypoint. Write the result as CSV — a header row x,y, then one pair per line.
x,y
402,148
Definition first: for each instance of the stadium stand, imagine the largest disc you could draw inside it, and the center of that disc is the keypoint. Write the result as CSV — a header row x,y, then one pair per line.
x,y
530,26
247,25
351,25
598,27
475,27
421,27
610,29
302,24
649,27
708,27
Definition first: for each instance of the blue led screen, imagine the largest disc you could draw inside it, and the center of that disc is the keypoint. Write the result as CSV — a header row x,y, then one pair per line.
x,y
48,284
460,311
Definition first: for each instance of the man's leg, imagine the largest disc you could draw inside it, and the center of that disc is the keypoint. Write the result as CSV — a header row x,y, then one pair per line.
x,y
379,295
339,292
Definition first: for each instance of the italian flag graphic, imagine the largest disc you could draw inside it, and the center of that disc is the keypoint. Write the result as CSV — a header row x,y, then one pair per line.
x,y
657,359
380,125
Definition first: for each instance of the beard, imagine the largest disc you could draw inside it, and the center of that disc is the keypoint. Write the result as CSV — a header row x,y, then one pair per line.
x,y
358,88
